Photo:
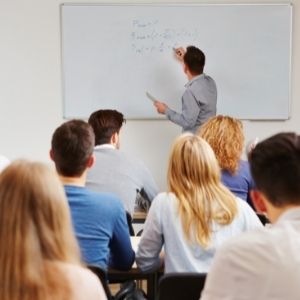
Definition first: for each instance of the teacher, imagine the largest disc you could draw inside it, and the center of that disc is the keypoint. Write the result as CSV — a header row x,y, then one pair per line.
x,y
199,100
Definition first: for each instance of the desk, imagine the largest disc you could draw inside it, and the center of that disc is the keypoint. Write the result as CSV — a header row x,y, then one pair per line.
x,y
136,274
139,217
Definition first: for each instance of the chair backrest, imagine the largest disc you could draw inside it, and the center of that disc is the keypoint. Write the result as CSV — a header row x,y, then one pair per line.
x,y
263,218
101,274
179,286
129,222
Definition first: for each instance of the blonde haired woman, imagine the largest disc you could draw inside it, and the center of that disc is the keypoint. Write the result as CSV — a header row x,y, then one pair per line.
x,y
197,214
225,136
39,256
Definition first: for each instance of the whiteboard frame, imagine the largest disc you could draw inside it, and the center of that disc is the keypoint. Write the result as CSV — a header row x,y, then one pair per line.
x,y
160,118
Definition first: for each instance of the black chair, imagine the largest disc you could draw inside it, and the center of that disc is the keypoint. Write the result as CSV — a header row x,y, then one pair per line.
x,y
102,275
179,286
126,289
129,222
263,218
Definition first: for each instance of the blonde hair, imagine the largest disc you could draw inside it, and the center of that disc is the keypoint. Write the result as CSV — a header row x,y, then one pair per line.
x,y
194,177
35,234
225,136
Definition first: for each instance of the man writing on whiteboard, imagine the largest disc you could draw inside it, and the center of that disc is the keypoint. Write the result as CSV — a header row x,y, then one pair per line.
x,y
199,100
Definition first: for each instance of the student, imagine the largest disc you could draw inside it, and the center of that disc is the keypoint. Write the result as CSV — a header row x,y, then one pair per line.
x,y
39,255
199,100
225,135
115,171
197,214
99,219
4,162
265,264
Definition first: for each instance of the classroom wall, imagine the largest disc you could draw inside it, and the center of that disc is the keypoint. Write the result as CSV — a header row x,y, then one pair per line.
x,y
31,98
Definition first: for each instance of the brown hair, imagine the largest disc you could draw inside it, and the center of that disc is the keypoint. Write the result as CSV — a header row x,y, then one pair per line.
x,y
275,167
194,177
72,145
225,136
105,123
35,234
194,59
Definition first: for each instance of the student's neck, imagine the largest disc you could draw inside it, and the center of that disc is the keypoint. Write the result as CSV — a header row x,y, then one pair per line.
x,y
274,213
191,76
76,181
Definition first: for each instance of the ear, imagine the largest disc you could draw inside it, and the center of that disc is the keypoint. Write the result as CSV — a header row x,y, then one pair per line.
x,y
51,154
185,68
91,161
258,200
115,139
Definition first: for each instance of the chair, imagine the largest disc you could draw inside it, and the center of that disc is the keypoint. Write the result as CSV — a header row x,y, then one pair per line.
x,y
126,288
263,218
179,286
102,275
129,222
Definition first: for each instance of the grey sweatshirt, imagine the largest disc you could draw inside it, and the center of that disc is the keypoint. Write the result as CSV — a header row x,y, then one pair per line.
x,y
120,174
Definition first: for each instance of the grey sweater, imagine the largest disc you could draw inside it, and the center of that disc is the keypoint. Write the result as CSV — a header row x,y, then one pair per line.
x,y
120,174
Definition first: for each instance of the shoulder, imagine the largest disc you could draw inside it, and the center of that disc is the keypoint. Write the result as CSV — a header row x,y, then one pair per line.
x,y
238,258
246,218
163,204
205,80
208,79
84,284
203,83
164,199
102,201
247,246
102,198
108,155
245,173
244,166
243,206
131,160
244,209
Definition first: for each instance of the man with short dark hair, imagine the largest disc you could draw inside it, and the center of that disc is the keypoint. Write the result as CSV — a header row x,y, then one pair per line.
x,y
114,171
199,101
99,219
265,263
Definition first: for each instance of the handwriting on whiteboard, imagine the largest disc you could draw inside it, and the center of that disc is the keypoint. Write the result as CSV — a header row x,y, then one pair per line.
x,y
148,36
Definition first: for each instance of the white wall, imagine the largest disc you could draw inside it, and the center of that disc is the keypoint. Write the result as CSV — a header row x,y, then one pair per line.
x,y
30,88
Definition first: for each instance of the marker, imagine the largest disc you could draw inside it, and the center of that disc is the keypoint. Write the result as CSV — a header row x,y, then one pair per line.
x,y
150,97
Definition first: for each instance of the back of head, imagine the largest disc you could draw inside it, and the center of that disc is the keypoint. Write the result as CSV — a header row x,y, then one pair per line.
x,y
225,136
192,163
35,230
105,122
194,59
275,167
194,177
72,145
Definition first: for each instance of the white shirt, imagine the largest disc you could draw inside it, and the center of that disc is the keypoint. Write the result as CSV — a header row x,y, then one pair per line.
x,y
163,227
261,265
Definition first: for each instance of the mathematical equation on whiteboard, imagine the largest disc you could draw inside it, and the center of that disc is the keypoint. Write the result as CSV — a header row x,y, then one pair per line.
x,y
149,37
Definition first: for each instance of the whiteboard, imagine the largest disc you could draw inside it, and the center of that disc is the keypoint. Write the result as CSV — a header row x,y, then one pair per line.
x,y
113,54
